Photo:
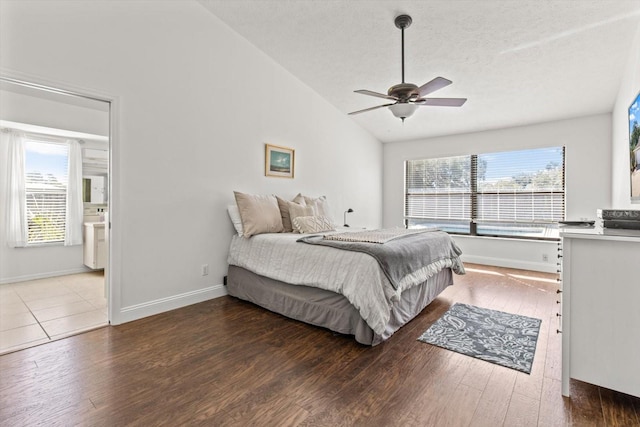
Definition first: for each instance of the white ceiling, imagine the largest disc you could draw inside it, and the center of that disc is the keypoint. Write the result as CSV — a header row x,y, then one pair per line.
x,y
517,61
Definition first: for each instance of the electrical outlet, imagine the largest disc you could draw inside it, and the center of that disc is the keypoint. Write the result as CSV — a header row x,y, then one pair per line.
x,y
545,257
205,269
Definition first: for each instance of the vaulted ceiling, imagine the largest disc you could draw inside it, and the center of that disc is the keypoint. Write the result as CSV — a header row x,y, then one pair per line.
x,y
517,61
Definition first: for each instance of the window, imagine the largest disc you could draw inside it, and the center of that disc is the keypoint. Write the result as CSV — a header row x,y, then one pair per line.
x,y
46,181
513,193
438,192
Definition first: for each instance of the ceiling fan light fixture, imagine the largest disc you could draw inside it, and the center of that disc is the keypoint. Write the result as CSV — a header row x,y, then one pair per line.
x,y
402,110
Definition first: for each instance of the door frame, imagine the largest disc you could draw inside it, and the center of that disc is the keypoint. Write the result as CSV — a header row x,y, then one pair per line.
x,y
113,272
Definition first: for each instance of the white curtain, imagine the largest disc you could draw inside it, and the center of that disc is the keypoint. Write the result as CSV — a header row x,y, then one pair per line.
x,y
16,216
74,209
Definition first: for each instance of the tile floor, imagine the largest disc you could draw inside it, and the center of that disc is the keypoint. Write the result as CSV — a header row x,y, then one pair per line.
x,y
43,310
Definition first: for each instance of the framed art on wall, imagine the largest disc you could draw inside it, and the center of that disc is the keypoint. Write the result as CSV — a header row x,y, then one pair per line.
x,y
279,161
634,148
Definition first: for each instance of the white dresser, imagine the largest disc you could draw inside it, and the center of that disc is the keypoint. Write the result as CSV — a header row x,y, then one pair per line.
x,y
601,309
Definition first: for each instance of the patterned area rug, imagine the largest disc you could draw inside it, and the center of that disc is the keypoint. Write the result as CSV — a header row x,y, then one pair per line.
x,y
497,337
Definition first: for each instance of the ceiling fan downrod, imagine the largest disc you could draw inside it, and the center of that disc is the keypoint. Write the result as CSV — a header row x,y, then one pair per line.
x,y
402,22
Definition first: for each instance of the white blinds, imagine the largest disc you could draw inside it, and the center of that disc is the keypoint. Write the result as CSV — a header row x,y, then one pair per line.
x,y
439,188
46,166
504,190
521,186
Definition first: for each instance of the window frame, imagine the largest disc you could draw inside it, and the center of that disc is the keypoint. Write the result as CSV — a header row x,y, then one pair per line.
x,y
61,224
474,196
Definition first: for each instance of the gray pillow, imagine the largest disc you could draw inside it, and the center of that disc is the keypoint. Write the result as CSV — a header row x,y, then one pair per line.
x,y
284,205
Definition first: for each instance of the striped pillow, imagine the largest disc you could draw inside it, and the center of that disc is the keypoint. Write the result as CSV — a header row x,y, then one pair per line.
x,y
312,224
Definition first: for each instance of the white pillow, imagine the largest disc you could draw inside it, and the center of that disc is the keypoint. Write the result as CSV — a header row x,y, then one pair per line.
x,y
259,214
296,210
312,224
320,206
234,214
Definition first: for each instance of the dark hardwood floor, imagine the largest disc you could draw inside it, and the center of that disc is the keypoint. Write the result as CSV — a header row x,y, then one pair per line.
x,y
227,362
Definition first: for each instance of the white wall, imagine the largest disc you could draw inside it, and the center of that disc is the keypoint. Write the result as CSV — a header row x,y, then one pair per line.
x,y
587,179
629,88
19,264
195,105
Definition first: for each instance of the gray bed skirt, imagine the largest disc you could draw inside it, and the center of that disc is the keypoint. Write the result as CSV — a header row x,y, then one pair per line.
x,y
329,309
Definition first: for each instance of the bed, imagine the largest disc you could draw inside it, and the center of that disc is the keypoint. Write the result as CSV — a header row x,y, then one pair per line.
x,y
315,280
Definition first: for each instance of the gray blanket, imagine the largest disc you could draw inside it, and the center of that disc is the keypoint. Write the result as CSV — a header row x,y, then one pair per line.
x,y
404,256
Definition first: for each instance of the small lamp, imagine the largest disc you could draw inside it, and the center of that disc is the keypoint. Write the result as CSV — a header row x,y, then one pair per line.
x,y
345,216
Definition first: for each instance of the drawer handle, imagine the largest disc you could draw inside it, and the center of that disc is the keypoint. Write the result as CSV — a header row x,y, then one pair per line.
x,y
559,291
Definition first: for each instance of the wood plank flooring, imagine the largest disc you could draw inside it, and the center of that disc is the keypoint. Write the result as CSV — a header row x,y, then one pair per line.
x,y
227,362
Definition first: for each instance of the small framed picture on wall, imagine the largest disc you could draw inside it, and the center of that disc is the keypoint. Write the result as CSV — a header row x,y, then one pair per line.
x,y
279,161
634,148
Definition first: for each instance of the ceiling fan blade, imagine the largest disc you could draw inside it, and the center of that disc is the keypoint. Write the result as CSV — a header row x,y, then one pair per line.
x,y
433,85
372,93
369,109
441,102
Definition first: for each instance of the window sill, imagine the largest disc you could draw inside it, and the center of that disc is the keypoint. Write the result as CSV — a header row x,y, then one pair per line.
x,y
507,239
43,245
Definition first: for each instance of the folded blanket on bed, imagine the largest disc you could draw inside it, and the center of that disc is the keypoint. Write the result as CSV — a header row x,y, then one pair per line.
x,y
375,236
407,258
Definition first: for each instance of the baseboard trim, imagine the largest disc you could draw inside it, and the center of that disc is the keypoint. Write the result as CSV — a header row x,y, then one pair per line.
x,y
510,263
37,276
150,308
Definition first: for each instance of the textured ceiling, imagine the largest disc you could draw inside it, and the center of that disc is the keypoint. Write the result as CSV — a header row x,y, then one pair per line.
x,y
517,61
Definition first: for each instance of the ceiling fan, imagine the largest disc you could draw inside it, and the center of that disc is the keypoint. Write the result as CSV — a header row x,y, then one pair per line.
x,y
407,96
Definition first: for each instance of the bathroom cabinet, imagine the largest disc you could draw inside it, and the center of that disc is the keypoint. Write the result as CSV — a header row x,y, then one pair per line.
x,y
95,245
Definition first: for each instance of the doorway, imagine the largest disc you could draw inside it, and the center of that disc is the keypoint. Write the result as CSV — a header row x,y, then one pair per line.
x,y
50,287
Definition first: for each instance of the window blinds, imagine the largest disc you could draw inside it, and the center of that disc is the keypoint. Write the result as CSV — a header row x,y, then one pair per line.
x,y
46,166
498,191
521,186
439,188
